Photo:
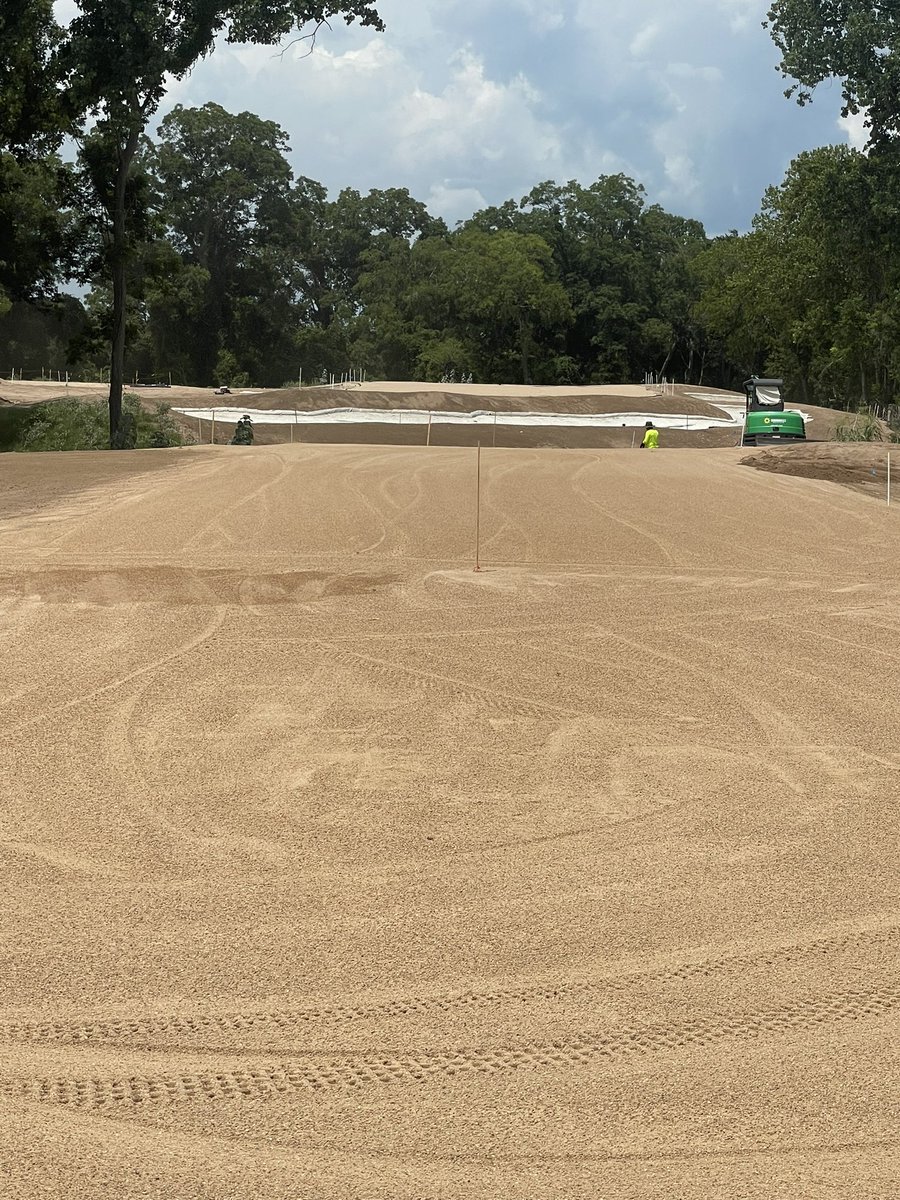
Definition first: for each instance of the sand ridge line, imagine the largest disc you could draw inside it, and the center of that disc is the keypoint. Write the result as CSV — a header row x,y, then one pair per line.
x,y
352,1071
105,1029
509,703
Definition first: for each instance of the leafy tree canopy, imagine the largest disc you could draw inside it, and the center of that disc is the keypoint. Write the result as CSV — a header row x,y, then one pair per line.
x,y
856,41
118,53
30,122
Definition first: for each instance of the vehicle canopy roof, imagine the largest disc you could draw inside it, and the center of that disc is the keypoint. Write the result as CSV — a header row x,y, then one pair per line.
x,y
766,393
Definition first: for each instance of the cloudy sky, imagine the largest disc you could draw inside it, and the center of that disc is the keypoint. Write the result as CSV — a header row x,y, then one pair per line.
x,y
471,102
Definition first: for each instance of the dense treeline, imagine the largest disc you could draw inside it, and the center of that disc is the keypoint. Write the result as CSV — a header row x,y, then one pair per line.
x,y
206,259
244,273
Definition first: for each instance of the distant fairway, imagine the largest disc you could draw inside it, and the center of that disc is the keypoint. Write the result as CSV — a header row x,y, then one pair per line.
x,y
334,869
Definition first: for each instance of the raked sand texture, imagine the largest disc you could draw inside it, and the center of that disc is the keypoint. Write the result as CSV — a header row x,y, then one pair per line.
x,y
331,868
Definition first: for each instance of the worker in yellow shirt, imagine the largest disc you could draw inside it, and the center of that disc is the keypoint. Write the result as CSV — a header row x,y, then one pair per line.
x,y
651,438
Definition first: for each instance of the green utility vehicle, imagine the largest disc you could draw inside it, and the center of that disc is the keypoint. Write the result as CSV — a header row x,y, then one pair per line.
x,y
764,417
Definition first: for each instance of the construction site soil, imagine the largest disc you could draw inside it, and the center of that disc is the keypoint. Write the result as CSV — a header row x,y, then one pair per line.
x,y
862,466
334,868
688,400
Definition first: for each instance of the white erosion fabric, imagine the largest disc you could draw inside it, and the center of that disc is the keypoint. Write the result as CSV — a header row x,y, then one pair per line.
x,y
732,415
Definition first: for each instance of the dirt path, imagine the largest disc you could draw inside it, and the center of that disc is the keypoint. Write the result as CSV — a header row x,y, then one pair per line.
x,y
332,868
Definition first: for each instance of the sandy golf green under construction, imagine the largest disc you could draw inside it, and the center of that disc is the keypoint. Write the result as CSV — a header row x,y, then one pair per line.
x,y
331,868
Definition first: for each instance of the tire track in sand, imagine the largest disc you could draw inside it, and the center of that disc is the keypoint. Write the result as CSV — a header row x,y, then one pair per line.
x,y
389,523
505,703
105,1030
617,519
311,1075
186,647
285,467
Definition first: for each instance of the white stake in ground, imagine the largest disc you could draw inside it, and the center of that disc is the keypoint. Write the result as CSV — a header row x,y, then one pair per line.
x,y
889,479
212,432
478,510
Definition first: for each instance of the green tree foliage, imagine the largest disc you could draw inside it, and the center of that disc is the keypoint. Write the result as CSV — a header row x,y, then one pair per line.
x,y
256,272
811,292
31,124
33,224
624,268
474,302
37,232
856,41
733,306
37,338
115,63
331,238
224,192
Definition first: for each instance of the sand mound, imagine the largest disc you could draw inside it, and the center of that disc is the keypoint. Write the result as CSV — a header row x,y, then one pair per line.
x,y
861,466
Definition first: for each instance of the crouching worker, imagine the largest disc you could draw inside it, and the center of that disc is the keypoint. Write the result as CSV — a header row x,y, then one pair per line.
x,y
651,438
243,432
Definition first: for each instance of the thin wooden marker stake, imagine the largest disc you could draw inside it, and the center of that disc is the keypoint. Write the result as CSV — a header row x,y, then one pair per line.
x,y
889,478
428,434
478,510
212,432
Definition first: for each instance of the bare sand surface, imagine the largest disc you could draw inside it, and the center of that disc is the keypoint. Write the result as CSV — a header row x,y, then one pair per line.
x,y
332,868
862,466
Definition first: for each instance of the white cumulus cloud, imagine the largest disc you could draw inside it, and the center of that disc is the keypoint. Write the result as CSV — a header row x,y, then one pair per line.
x,y
471,104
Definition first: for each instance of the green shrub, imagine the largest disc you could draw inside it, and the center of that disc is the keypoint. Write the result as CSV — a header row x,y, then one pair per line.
x,y
153,430
67,424
74,424
14,420
861,428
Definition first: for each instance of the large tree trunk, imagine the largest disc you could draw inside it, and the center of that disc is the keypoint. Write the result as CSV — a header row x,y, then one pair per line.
x,y
119,263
